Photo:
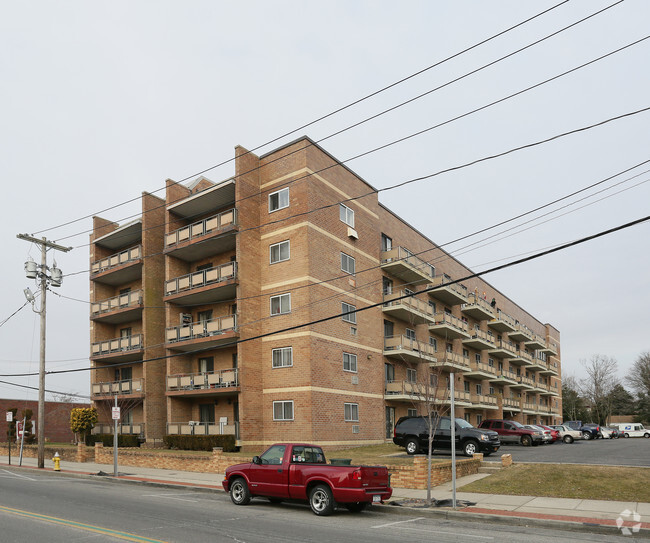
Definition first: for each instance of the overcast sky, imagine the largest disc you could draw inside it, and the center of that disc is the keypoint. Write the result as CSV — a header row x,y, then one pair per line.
x,y
101,101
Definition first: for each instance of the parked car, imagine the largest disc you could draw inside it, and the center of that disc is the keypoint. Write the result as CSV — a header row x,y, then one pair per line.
x,y
298,471
589,431
413,434
632,429
546,434
555,435
567,434
511,431
608,433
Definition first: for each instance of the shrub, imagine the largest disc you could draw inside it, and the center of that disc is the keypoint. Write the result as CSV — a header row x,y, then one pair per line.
x,y
107,440
200,443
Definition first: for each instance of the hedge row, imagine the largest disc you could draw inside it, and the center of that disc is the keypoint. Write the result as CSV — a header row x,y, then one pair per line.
x,y
200,443
107,440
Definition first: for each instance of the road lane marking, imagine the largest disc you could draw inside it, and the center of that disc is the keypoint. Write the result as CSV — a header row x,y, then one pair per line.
x,y
460,534
398,522
18,475
87,527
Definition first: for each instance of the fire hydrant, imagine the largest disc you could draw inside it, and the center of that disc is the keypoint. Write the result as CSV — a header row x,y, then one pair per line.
x,y
57,462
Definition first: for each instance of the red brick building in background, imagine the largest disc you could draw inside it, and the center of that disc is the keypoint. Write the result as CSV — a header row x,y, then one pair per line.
x,y
57,418
193,307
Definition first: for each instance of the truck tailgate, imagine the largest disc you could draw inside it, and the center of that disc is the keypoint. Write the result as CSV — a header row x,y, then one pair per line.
x,y
374,476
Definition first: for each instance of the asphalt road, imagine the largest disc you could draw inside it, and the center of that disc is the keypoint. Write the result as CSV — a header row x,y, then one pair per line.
x,y
53,508
611,452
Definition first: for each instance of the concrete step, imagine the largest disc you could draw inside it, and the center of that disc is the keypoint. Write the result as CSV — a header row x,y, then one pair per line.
x,y
487,469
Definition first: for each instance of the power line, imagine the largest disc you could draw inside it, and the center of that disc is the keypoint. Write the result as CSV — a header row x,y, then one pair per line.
x,y
338,110
14,313
46,390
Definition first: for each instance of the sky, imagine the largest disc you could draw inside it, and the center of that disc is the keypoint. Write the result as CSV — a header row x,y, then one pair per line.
x,y
101,101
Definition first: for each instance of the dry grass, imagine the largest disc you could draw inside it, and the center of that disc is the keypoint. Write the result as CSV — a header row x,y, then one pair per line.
x,y
568,481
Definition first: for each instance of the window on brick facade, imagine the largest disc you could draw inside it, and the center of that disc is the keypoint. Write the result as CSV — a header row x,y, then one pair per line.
x,y
349,314
348,264
351,412
386,243
410,334
411,375
279,200
346,215
479,388
433,342
283,410
282,357
477,357
410,412
350,362
281,304
466,386
279,252
479,419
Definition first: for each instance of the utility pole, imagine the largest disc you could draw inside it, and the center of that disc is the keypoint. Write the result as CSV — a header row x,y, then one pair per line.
x,y
54,279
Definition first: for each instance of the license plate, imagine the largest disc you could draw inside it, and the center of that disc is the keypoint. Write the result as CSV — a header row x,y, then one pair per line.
x,y
376,498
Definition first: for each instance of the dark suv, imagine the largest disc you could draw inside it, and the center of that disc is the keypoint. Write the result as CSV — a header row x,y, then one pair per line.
x,y
589,430
511,431
413,434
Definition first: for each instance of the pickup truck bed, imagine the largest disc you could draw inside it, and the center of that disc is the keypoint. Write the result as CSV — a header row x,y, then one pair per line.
x,y
297,471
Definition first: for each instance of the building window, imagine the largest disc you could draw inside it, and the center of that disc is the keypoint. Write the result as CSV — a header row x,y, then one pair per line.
x,y
434,343
411,375
351,412
349,314
346,215
280,304
279,200
479,419
206,365
386,243
283,410
350,362
465,353
477,357
280,252
410,334
348,264
466,386
479,389
387,285
411,412
282,357
491,390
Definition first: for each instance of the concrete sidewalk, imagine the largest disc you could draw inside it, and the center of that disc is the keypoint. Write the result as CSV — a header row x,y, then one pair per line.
x,y
513,509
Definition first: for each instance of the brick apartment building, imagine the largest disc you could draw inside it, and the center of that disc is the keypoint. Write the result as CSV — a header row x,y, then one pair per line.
x,y
186,302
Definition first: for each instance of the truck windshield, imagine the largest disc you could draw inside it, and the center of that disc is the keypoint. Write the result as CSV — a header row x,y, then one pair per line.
x,y
274,455
462,423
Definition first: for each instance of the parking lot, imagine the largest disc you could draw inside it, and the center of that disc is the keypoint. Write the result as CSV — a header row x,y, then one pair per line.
x,y
612,452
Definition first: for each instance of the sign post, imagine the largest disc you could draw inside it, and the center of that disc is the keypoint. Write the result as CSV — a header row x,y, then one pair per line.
x,y
10,419
116,416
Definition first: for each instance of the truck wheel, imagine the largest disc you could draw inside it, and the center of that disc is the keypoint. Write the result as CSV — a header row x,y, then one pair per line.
x,y
412,446
239,493
470,447
627,435
587,436
321,500
526,441
646,435
356,507
567,439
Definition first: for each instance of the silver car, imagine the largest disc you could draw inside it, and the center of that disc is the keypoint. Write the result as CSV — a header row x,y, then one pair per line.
x,y
567,434
546,434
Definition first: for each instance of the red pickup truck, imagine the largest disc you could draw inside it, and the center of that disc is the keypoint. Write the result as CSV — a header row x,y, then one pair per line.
x,y
298,471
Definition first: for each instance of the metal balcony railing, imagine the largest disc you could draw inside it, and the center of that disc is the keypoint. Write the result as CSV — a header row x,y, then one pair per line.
x,y
126,386
201,278
116,345
454,322
396,343
201,228
130,299
446,280
411,302
128,255
400,254
130,428
203,381
197,428
206,328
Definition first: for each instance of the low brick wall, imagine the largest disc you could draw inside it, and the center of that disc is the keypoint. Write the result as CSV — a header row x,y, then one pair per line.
x,y
415,476
81,453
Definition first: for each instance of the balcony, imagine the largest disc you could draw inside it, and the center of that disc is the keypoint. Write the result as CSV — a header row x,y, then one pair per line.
x,y
480,371
502,323
409,309
461,398
447,292
449,327
403,264
537,364
504,378
184,384
127,428
408,349
535,342
530,408
551,369
550,349
120,309
119,268
511,404
196,428
215,234
480,341
203,335
124,349
478,308
128,387
521,358
503,349
451,361
482,401
523,383
522,333
206,201
203,287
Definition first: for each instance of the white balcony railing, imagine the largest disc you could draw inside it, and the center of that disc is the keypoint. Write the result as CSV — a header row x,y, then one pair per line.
x,y
197,428
201,278
117,345
203,381
128,255
202,329
201,228
129,299
126,386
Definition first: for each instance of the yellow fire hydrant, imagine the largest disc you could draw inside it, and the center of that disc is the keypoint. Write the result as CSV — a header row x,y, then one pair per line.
x,y
57,462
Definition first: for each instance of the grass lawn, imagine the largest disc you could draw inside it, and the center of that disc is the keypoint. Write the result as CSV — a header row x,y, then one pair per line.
x,y
563,481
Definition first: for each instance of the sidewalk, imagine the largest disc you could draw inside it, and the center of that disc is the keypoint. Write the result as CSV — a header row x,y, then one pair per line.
x,y
511,509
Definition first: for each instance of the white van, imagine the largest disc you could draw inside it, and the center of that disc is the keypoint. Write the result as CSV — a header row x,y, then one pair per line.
x,y
632,429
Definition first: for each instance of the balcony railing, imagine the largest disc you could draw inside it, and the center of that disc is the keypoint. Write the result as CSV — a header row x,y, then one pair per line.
x,y
513,403
197,428
127,386
408,309
449,292
116,345
405,265
203,381
452,360
202,329
201,228
483,400
453,326
130,299
127,428
411,348
128,255
478,308
201,278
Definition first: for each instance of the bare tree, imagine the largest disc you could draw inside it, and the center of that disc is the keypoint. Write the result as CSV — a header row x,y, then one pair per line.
x,y
639,375
598,385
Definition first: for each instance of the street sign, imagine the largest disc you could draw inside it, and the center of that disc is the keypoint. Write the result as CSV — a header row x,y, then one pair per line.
x,y
10,416
115,411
